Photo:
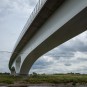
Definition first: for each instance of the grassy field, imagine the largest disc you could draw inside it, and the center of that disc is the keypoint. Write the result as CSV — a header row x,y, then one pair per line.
x,y
37,79
56,79
7,79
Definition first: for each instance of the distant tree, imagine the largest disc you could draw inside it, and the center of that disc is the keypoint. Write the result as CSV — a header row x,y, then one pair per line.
x,y
6,73
0,73
35,74
43,74
77,73
70,73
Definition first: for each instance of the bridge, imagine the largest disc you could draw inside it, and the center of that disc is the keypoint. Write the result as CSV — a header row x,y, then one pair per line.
x,y
52,23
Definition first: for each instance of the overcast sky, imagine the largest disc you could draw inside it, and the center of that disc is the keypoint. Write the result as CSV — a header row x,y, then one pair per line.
x,y
68,57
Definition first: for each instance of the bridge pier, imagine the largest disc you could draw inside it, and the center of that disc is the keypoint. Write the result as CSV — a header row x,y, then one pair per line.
x,y
17,64
13,72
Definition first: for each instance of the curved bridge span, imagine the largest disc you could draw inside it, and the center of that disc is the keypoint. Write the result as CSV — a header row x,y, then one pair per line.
x,y
51,24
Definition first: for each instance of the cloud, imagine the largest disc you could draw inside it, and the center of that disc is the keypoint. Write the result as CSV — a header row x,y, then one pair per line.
x,y
82,59
67,64
17,6
4,59
43,62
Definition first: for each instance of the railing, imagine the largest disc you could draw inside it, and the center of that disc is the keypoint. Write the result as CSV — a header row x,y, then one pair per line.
x,y
36,10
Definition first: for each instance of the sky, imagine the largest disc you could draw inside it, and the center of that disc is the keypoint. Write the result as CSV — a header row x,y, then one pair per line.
x,y
71,56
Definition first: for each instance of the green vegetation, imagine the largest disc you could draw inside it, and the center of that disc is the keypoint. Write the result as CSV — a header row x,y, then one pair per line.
x,y
43,78
58,78
8,79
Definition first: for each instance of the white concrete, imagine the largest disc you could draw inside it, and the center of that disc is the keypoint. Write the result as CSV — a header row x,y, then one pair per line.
x,y
62,15
17,64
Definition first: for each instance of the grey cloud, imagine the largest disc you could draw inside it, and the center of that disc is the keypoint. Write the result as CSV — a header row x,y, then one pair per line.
x,y
82,70
68,49
75,46
67,64
61,51
41,64
82,59
13,7
32,2
4,59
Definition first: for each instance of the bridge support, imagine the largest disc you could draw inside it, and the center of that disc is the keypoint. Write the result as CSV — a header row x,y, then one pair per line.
x,y
17,64
13,72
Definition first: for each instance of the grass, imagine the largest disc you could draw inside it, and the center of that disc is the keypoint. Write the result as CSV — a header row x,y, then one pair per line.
x,y
37,79
58,79
7,79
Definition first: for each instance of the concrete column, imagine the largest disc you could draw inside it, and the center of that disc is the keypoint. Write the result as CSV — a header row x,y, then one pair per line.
x,y
17,64
13,72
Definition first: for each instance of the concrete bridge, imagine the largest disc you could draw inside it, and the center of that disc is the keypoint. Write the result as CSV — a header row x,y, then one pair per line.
x,y
52,23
